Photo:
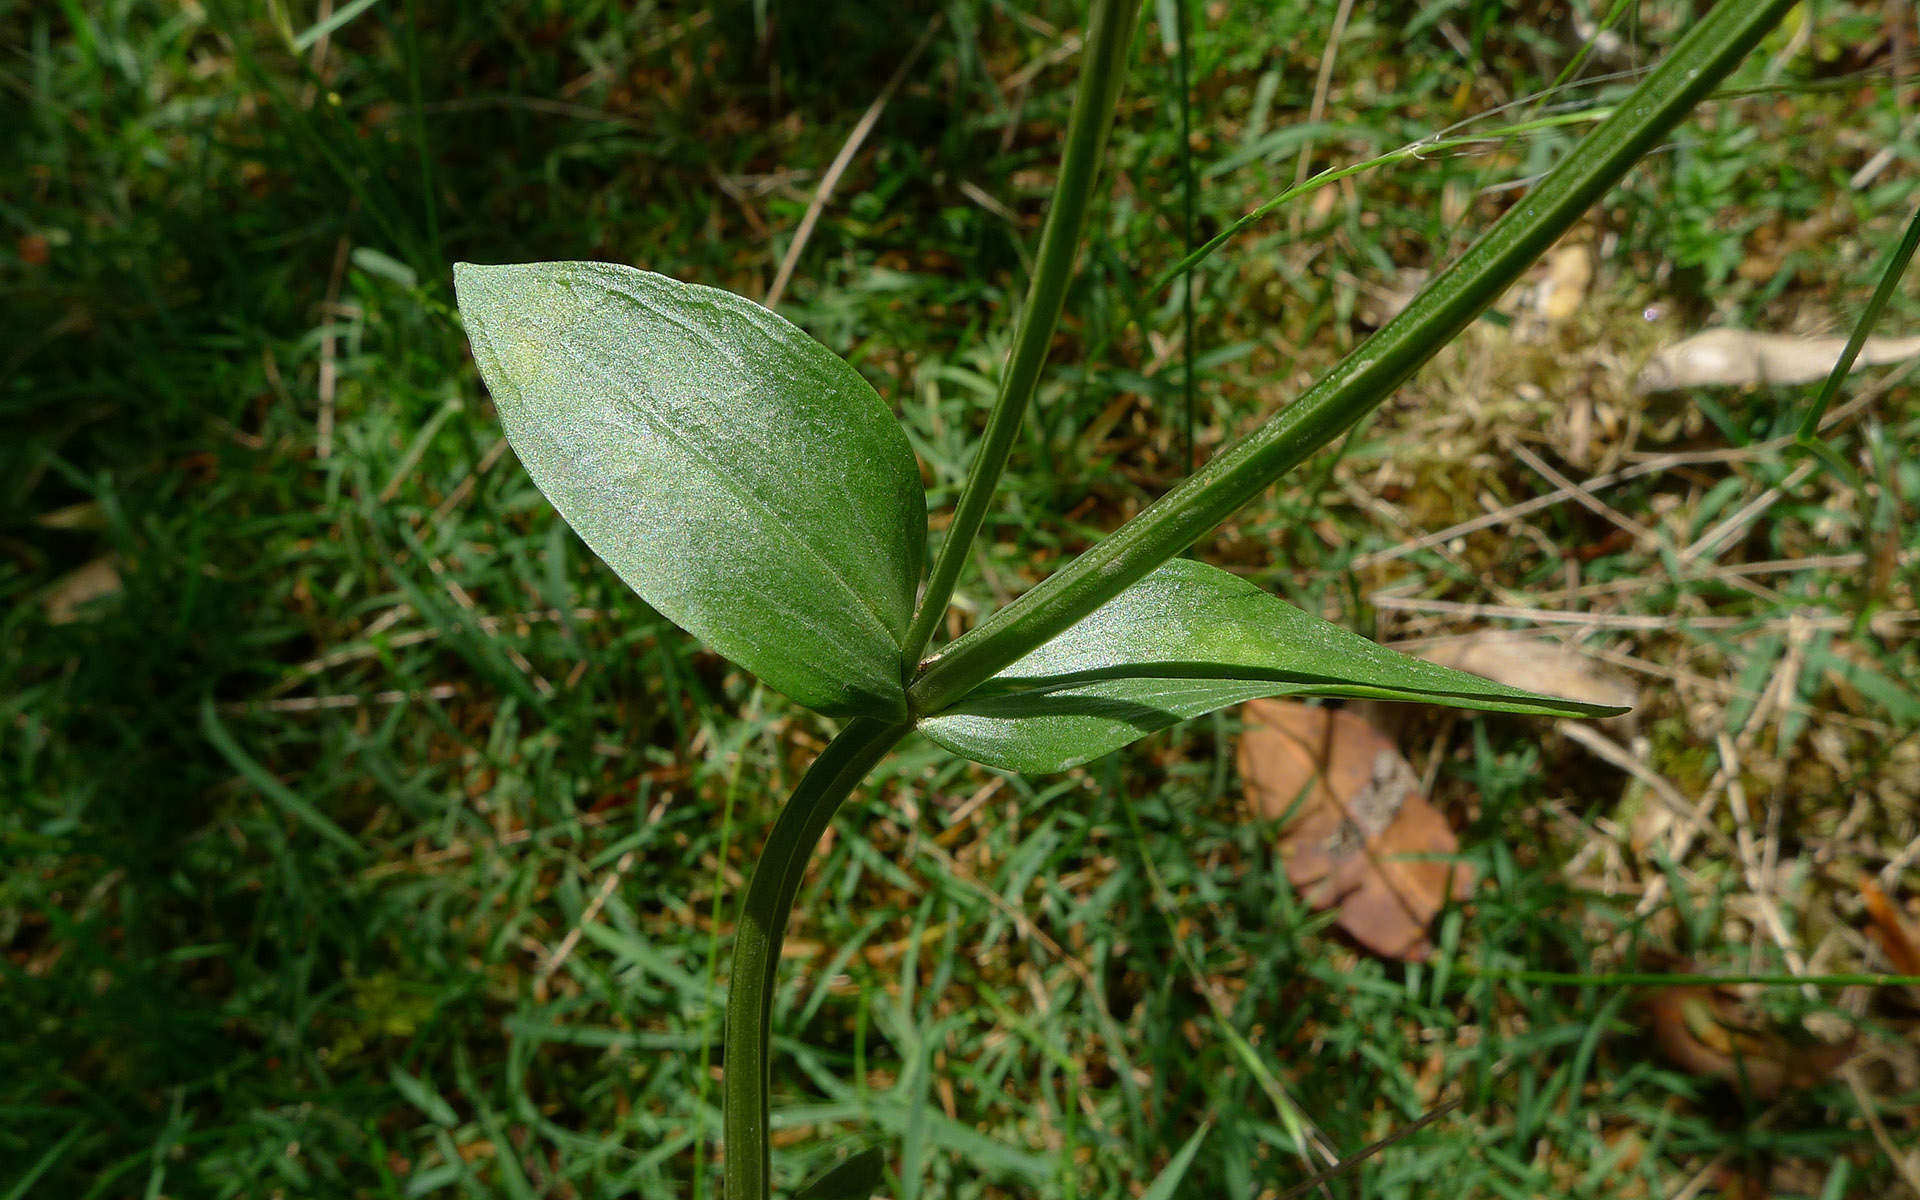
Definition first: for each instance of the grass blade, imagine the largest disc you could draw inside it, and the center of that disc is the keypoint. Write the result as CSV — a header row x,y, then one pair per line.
x,y
289,801
1167,1183
1883,291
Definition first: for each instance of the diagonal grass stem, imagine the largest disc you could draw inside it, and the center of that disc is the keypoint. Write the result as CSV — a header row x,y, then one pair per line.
x,y
1890,277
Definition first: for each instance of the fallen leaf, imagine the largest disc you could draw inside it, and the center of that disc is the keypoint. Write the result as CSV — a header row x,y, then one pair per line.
x,y
1737,357
1541,664
85,515
1359,837
1890,929
66,595
1704,1031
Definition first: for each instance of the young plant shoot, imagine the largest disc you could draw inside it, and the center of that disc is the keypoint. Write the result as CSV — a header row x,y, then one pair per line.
x,y
752,487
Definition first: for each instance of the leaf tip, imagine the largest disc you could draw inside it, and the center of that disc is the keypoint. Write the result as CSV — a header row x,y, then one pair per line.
x,y
472,282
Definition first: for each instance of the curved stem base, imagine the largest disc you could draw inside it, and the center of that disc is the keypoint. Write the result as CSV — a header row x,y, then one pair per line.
x,y
756,948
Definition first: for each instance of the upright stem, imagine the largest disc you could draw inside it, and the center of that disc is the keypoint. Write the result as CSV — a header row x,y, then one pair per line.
x,y
1367,376
1109,30
1189,186
756,947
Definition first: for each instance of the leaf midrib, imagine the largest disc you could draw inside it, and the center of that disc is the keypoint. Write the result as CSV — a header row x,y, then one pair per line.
x,y
755,499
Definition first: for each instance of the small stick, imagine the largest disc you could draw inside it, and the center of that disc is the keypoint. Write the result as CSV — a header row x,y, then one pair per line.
x,y
600,897
466,601
1321,84
1607,750
1714,539
439,691
459,494
1903,1162
841,161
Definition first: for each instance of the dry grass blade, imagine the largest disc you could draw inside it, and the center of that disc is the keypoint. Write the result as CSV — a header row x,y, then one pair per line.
x,y
1740,358
856,138
1352,1162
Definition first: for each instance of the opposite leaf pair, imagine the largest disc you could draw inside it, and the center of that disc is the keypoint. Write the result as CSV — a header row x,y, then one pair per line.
x,y
753,488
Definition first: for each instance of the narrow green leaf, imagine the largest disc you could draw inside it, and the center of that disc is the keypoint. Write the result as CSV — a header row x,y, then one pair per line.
x,y
733,471
423,1096
857,1177
1882,292
285,798
1186,640
1166,1184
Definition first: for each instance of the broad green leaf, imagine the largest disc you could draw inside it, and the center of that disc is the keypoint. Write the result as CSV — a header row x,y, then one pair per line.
x,y
736,473
1187,639
855,1178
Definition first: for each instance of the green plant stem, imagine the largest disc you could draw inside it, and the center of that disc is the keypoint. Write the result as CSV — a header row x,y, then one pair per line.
x,y
1102,70
1189,186
1367,376
756,947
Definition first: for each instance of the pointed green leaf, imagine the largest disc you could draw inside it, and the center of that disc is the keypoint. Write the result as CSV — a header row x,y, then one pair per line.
x,y
736,473
1188,639
1167,1183
857,1177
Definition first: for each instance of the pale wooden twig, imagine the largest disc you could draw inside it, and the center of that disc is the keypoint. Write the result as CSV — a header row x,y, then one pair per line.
x,y
1643,465
1750,865
1903,1160
291,704
1825,622
601,894
464,488
1716,538
1652,466
1724,775
1322,83
841,161
466,602
1607,750
1065,49
352,654
462,848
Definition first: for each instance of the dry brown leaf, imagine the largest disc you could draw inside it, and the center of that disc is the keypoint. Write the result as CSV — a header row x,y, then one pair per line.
x,y
1702,1030
66,595
1359,837
1539,664
1890,929
1737,357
